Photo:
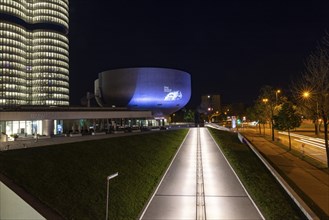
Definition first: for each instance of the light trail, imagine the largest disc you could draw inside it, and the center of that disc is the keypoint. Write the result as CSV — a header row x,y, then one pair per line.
x,y
321,146
315,142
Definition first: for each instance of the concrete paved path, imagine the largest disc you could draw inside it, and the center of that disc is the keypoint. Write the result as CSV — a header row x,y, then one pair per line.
x,y
200,184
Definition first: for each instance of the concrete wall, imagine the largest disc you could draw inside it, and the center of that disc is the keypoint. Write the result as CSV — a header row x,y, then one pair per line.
x,y
12,207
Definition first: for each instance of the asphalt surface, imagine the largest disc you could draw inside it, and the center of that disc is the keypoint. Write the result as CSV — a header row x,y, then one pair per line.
x,y
312,146
200,184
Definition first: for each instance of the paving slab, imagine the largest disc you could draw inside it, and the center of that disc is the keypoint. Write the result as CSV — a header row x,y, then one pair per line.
x,y
223,194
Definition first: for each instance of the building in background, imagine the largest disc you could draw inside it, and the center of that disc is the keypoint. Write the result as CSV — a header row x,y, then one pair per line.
x,y
34,63
34,53
209,109
160,90
211,103
34,80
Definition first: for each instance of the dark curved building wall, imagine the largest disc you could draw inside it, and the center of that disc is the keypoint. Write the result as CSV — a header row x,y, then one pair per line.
x,y
34,52
161,90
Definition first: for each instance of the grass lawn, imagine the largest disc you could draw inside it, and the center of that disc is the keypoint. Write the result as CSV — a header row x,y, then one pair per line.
x,y
71,178
271,199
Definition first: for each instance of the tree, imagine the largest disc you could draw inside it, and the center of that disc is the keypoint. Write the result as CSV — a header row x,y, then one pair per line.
x,y
268,96
251,113
312,90
189,115
287,119
256,113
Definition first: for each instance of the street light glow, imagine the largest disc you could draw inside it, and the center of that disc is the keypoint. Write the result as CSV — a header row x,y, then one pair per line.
x,y
306,94
276,96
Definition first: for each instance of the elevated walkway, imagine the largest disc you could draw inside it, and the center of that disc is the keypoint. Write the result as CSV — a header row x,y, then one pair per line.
x,y
200,184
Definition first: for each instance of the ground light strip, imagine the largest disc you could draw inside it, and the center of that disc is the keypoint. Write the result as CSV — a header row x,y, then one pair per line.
x,y
200,196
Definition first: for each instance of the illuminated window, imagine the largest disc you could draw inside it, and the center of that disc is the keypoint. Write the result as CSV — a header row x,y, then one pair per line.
x,y
34,63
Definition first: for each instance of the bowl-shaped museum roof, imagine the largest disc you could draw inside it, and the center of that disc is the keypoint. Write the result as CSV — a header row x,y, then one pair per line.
x,y
161,90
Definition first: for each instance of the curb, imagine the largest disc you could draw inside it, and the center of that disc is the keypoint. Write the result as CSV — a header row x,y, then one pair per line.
x,y
293,195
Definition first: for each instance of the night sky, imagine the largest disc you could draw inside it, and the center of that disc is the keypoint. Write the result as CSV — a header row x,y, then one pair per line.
x,y
231,48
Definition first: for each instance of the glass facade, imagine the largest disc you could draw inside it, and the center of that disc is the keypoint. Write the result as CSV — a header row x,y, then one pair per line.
x,y
34,53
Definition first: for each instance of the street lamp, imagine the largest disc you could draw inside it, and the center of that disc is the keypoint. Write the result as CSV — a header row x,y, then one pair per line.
x,y
276,96
107,194
265,100
307,95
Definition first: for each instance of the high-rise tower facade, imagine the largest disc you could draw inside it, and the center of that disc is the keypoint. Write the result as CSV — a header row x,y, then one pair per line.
x,y
34,53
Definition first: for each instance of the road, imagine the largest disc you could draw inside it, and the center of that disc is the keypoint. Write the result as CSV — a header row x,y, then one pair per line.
x,y
303,142
200,184
313,147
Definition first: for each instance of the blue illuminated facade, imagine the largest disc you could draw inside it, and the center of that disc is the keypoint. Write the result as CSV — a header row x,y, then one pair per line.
x,y
161,90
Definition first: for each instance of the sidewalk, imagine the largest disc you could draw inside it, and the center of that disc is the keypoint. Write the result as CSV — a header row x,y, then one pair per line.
x,y
46,141
313,182
200,184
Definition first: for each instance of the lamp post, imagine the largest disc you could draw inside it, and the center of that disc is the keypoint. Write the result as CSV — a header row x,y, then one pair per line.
x,y
307,95
276,96
107,194
264,100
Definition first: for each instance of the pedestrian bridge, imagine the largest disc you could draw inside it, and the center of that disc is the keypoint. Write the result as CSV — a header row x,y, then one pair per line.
x,y
200,184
